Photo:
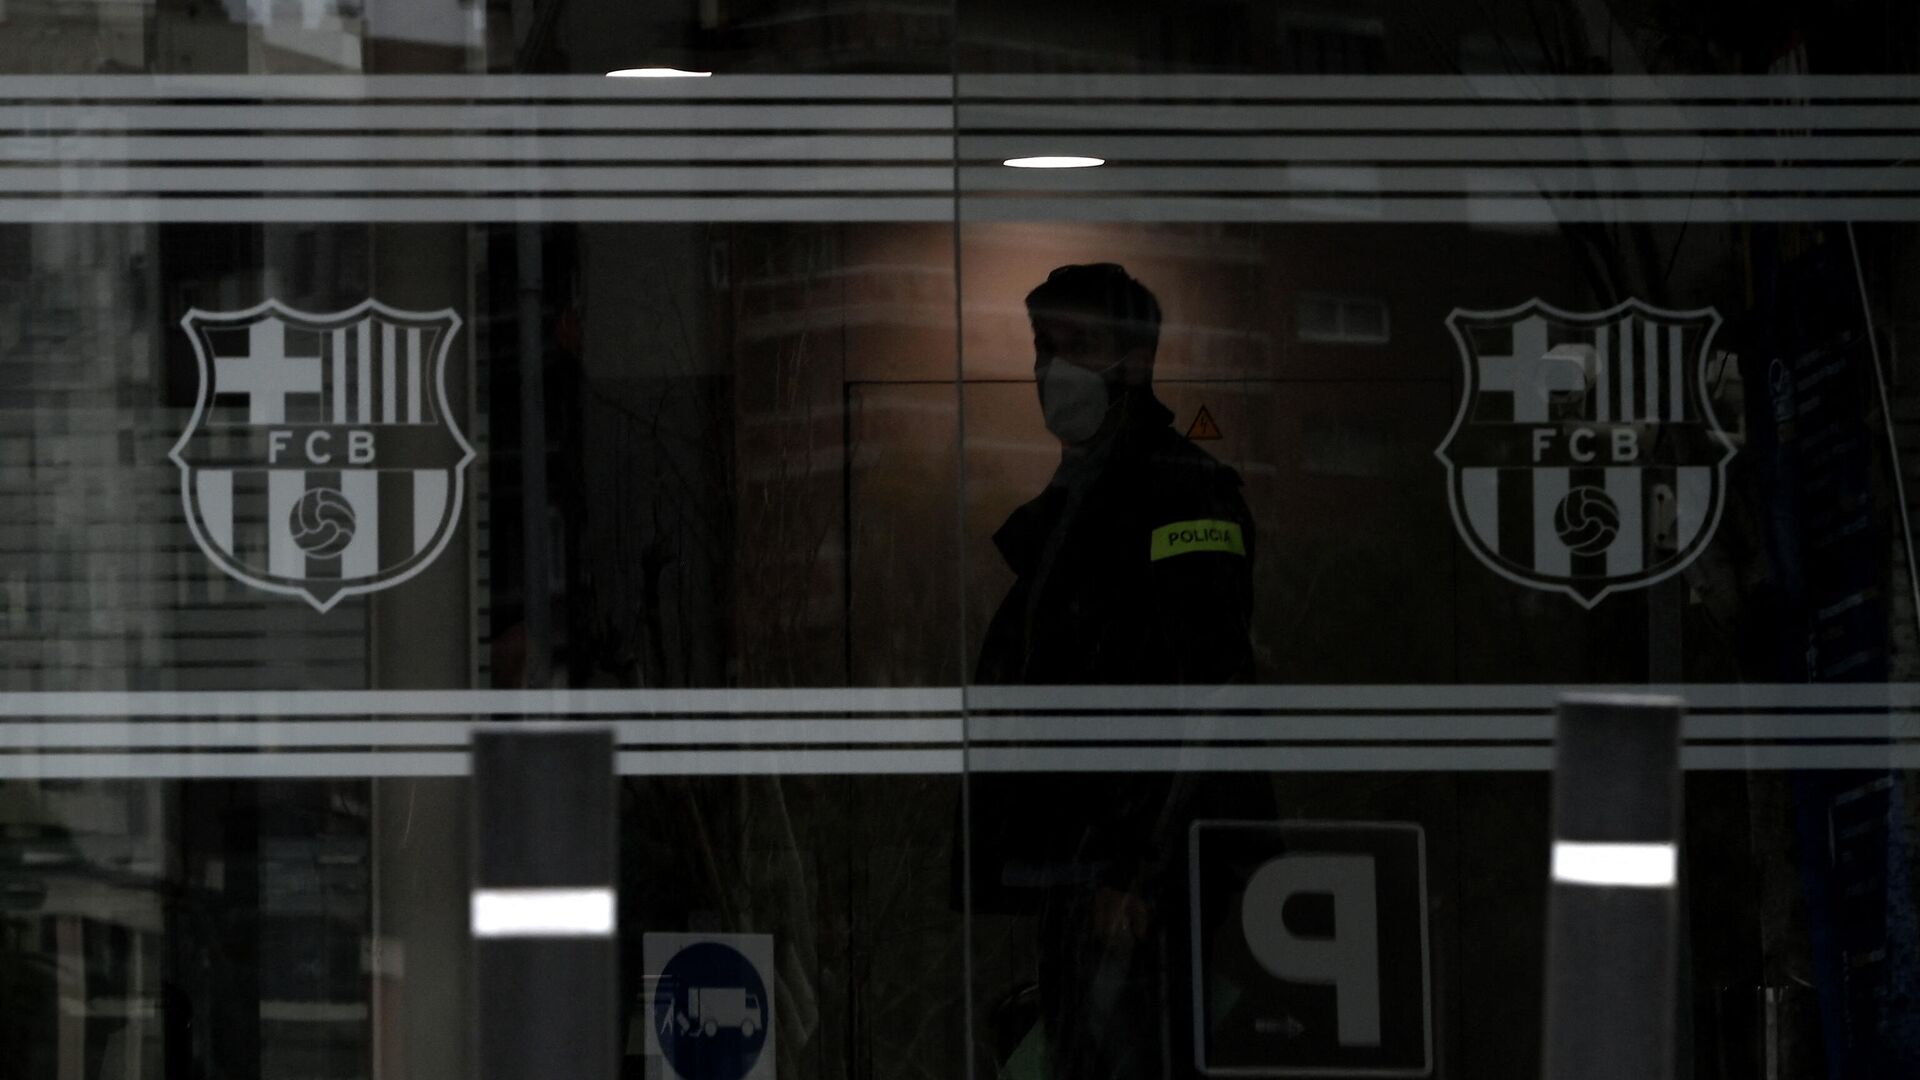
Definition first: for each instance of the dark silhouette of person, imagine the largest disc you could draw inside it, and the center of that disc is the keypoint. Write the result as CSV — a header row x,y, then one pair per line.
x,y
1133,566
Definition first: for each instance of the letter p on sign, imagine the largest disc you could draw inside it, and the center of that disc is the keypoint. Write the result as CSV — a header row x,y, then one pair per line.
x,y
1348,961
1310,949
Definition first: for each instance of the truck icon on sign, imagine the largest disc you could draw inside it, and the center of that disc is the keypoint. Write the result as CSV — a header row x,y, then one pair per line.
x,y
712,1005
711,1008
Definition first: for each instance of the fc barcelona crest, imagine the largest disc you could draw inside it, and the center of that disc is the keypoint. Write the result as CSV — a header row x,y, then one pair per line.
x,y
1585,457
322,460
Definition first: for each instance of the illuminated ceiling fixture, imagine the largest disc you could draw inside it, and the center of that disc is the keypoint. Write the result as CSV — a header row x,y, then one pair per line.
x,y
1053,161
657,73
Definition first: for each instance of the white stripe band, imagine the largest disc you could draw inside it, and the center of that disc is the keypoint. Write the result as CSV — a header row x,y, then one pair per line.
x,y
511,117
1629,866
1057,116
1128,700
892,761
523,913
517,88
254,704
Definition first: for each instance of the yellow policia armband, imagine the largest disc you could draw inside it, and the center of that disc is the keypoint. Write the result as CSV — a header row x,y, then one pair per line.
x,y
1187,537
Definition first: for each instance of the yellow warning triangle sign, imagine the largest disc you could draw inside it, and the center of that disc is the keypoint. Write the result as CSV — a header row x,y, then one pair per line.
x,y
1203,426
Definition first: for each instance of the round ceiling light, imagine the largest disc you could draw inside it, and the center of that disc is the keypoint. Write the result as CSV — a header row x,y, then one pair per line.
x,y
657,73
1053,161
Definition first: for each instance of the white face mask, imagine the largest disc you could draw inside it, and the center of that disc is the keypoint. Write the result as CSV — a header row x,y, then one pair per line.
x,y
1074,400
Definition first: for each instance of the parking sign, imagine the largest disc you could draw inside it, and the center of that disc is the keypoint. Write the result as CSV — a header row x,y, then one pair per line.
x,y
1310,949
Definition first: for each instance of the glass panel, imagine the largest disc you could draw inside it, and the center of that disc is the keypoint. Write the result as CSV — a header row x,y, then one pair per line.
x,y
377,371
1556,373
1141,669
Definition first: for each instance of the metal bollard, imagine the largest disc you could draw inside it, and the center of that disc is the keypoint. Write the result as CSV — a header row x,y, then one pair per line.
x,y
544,849
1613,917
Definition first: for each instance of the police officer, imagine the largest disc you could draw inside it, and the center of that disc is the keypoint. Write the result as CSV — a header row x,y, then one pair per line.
x,y
1133,566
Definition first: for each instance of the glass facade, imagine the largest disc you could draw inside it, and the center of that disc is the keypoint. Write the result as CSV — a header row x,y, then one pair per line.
x,y
1076,519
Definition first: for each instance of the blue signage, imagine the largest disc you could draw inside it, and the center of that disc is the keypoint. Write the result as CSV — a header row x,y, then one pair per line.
x,y
710,1012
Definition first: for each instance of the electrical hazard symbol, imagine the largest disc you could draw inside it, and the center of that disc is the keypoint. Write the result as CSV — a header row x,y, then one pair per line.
x,y
1203,427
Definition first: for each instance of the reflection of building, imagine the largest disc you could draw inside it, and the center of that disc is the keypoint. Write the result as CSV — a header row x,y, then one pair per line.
x,y
67,36
145,906
117,598
137,36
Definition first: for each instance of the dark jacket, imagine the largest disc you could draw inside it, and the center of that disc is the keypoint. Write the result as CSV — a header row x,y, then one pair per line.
x,y
1131,579
1139,573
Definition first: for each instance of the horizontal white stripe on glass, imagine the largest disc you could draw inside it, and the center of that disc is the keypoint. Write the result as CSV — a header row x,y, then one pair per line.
x,y
366,117
1150,110
271,735
1542,212
1631,866
1254,178
790,762
1421,146
515,88
1676,151
205,766
1469,88
521,913
1274,759
1478,88
1517,210
882,730
1396,116
1507,697
545,208
468,179
1126,700
386,149
1452,181
279,703
136,764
